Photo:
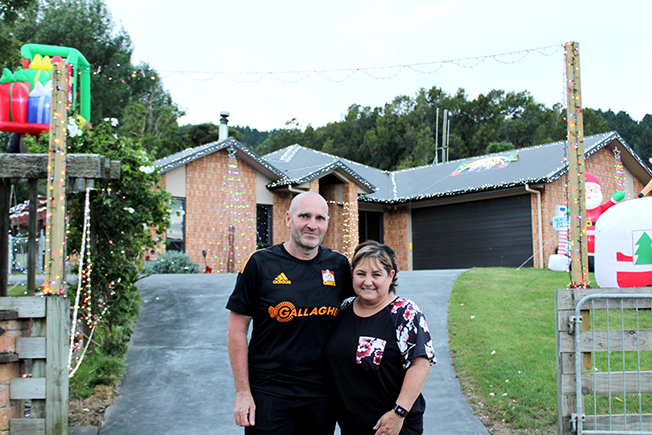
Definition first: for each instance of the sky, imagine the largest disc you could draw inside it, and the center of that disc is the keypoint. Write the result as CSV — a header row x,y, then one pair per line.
x,y
268,62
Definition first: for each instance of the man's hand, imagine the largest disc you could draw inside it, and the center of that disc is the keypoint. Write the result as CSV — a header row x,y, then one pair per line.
x,y
389,424
244,409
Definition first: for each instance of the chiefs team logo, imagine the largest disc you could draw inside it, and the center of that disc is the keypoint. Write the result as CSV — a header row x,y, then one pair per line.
x,y
283,312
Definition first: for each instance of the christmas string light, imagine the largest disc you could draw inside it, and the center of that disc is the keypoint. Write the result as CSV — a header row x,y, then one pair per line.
x,y
350,227
82,278
56,194
619,171
336,75
575,143
232,233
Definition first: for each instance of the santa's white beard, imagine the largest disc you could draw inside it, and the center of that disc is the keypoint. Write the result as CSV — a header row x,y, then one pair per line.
x,y
594,200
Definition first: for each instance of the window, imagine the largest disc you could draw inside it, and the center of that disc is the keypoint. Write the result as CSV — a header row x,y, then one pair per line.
x,y
264,219
371,226
176,233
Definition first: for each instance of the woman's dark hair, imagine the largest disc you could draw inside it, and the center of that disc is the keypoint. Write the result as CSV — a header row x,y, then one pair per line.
x,y
383,254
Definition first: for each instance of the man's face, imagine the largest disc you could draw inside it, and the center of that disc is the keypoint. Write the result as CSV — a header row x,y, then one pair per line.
x,y
308,222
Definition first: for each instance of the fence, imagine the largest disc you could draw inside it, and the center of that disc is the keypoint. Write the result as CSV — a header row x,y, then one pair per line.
x,y
18,254
37,332
604,361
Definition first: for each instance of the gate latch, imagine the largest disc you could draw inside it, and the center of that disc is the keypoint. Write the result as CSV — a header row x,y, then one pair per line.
x,y
574,419
572,320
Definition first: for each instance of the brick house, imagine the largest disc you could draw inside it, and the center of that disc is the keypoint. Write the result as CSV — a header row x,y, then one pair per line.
x,y
486,211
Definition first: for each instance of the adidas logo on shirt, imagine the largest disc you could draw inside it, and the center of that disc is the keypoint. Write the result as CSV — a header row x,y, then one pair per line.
x,y
281,279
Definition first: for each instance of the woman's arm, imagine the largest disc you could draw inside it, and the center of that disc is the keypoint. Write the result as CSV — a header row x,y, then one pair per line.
x,y
415,378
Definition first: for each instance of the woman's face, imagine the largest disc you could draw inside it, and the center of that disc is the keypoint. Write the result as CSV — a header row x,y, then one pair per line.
x,y
371,281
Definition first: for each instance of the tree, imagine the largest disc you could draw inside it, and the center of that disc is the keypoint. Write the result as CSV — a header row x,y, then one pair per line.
x,y
152,116
128,215
87,26
11,12
637,134
132,94
645,140
199,134
287,136
251,137
497,147
424,148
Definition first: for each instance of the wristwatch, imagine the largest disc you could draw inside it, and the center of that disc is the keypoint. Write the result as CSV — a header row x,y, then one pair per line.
x,y
400,411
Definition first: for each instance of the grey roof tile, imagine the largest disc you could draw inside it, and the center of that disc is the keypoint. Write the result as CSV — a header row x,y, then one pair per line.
x,y
296,164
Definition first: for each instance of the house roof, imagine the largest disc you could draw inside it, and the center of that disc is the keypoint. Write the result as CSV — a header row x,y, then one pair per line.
x,y
542,164
300,165
241,151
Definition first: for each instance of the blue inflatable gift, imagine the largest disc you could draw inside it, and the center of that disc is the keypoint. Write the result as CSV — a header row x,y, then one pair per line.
x,y
40,99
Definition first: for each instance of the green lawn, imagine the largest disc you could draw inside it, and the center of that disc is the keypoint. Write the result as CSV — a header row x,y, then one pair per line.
x,y
17,290
502,338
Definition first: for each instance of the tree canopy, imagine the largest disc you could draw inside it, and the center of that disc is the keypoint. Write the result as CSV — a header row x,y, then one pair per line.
x,y
405,132
131,93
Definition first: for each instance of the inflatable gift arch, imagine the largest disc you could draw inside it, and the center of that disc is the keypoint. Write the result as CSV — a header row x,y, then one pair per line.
x,y
25,95
623,245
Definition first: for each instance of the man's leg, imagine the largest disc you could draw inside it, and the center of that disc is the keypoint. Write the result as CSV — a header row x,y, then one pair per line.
x,y
273,416
314,417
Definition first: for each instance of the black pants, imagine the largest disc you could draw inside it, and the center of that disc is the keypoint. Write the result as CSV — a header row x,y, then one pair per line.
x,y
300,416
351,431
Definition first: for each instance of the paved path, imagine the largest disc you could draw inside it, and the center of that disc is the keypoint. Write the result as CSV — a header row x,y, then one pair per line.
x,y
178,379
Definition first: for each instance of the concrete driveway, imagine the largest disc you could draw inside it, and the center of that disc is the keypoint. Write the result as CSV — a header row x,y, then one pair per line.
x,y
178,379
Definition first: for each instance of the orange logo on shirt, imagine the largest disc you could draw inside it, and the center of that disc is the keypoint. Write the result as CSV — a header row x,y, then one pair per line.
x,y
286,311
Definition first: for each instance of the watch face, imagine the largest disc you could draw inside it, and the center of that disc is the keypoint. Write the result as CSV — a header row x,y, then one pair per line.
x,y
402,412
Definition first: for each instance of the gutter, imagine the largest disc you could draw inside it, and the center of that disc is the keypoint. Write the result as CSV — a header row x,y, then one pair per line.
x,y
540,235
295,190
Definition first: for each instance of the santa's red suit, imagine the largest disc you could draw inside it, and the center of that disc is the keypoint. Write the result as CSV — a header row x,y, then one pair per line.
x,y
594,208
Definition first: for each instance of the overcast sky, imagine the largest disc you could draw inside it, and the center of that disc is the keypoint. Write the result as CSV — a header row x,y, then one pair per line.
x,y
267,62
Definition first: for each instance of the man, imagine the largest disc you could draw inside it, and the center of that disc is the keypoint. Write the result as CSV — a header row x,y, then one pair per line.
x,y
292,292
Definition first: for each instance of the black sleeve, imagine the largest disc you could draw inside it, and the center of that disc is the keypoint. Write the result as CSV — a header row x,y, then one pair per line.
x,y
244,298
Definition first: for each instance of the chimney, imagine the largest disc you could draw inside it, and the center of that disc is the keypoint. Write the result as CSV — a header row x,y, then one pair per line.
x,y
224,126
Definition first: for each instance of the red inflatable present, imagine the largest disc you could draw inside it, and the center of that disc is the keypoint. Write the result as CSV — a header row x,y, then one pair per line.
x,y
14,98
14,103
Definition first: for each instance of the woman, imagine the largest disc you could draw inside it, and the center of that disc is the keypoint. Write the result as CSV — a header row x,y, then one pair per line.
x,y
380,351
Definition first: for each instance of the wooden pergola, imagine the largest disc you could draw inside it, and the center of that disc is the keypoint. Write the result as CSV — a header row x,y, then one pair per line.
x,y
81,171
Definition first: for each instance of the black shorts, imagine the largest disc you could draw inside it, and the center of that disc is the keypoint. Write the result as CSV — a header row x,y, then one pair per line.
x,y
277,416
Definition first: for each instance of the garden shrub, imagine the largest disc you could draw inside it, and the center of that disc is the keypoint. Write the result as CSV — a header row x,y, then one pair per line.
x,y
172,262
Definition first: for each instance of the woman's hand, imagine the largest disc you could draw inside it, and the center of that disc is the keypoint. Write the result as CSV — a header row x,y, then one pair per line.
x,y
389,424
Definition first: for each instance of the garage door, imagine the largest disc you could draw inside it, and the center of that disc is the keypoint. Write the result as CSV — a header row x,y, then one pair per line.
x,y
488,233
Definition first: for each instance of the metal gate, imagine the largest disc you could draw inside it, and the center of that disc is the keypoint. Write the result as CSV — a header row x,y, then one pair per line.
x,y
613,363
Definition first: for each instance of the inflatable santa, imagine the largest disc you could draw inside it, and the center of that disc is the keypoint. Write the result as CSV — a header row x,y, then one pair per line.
x,y
594,208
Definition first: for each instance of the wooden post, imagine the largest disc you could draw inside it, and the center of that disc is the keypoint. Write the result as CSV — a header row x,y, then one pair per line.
x,y
32,236
57,381
56,196
576,169
39,366
5,195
